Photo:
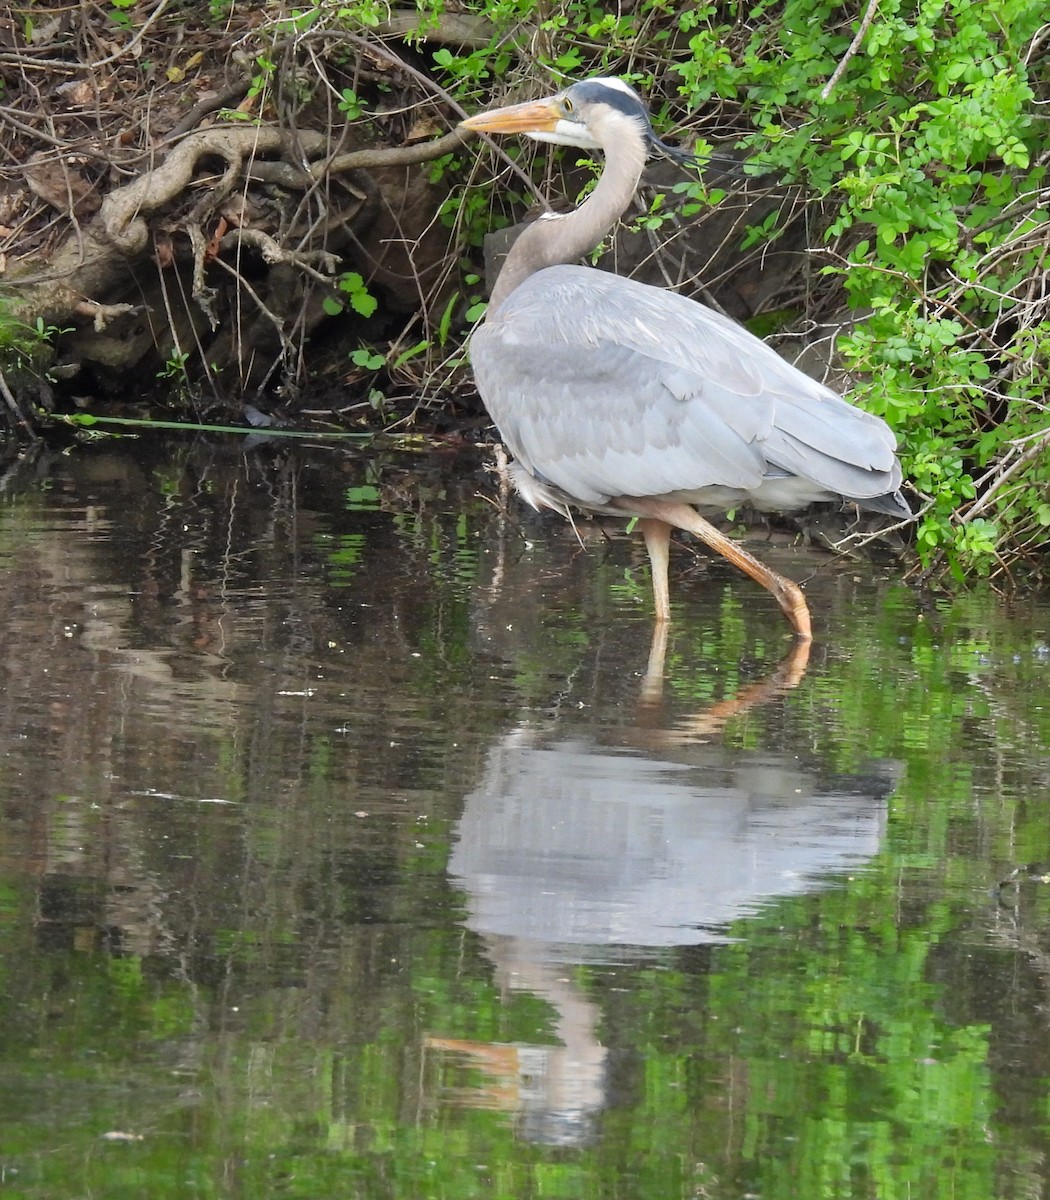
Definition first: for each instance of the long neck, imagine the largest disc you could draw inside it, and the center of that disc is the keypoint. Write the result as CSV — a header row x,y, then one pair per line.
x,y
566,238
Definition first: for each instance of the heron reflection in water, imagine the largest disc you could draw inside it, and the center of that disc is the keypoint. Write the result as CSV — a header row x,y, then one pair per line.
x,y
585,841
621,398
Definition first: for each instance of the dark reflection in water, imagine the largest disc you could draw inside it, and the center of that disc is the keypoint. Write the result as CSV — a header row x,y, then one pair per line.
x,y
347,848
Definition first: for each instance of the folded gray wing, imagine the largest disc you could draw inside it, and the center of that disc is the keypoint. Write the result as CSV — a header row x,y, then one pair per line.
x,y
607,387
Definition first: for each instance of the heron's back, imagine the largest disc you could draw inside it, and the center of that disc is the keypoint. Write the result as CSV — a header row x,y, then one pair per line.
x,y
604,387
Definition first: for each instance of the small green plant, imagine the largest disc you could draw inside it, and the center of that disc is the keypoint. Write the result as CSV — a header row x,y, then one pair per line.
x,y
26,350
410,354
263,77
349,105
175,365
476,303
367,360
353,287
120,14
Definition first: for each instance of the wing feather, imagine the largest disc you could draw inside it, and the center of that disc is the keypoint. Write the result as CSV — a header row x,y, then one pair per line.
x,y
606,387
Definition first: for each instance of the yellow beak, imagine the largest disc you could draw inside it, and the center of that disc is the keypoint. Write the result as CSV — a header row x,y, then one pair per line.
x,y
534,116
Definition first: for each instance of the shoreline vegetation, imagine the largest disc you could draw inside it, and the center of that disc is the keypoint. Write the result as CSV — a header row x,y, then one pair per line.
x,y
265,215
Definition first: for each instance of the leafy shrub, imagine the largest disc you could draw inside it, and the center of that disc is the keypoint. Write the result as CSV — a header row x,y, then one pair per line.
x,y
925,163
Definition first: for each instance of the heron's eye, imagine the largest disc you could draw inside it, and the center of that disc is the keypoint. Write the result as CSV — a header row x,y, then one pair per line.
x,y
567,105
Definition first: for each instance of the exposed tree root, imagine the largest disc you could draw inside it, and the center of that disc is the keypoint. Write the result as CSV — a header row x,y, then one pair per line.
x,y
92,261
213,253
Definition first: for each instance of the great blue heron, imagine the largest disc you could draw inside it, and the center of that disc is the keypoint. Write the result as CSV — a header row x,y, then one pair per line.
x,y
618,397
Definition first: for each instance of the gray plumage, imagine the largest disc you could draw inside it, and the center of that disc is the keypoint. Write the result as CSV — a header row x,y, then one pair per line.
x,y
615,396
601,387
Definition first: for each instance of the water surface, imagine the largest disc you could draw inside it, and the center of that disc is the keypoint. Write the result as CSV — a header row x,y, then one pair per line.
x,y
345,849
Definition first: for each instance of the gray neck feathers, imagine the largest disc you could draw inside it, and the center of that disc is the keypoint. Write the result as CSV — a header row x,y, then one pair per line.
x,y
566,238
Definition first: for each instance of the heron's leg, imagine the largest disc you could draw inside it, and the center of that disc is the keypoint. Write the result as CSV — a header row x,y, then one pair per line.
x,y
657,534
788,594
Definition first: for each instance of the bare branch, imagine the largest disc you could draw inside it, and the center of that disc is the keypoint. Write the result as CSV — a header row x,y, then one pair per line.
x,y
854,46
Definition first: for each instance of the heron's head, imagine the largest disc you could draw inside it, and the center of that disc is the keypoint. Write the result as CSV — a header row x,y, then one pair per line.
x,y
588,114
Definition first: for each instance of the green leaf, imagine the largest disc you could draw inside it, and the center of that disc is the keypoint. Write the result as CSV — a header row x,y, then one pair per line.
x,y
364,303
367,359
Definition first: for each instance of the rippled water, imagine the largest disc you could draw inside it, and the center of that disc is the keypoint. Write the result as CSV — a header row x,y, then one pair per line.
x,y
346,848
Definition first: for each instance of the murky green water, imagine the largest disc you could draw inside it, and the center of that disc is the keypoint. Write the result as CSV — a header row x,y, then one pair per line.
x,y
341,856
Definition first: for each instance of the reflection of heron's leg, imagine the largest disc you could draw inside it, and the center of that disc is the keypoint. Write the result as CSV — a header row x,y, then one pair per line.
x,y
653,683
657,536
713,719
788,594
788,675
708,721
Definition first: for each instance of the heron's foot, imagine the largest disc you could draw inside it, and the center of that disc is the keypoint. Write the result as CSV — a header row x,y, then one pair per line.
x,y
792,601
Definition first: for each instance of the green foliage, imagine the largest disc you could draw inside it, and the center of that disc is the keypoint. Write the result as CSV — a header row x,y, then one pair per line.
x,y
354,288
175,365
120,12
19,341
923,156
364,13
367,359
25,350
349,105
263,78
925,166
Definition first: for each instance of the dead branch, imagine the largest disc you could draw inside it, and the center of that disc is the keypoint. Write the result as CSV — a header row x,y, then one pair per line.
x,y
273,252
851,50
451,29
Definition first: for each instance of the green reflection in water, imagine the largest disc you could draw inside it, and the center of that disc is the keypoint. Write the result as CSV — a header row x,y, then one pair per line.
x,y
277,994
